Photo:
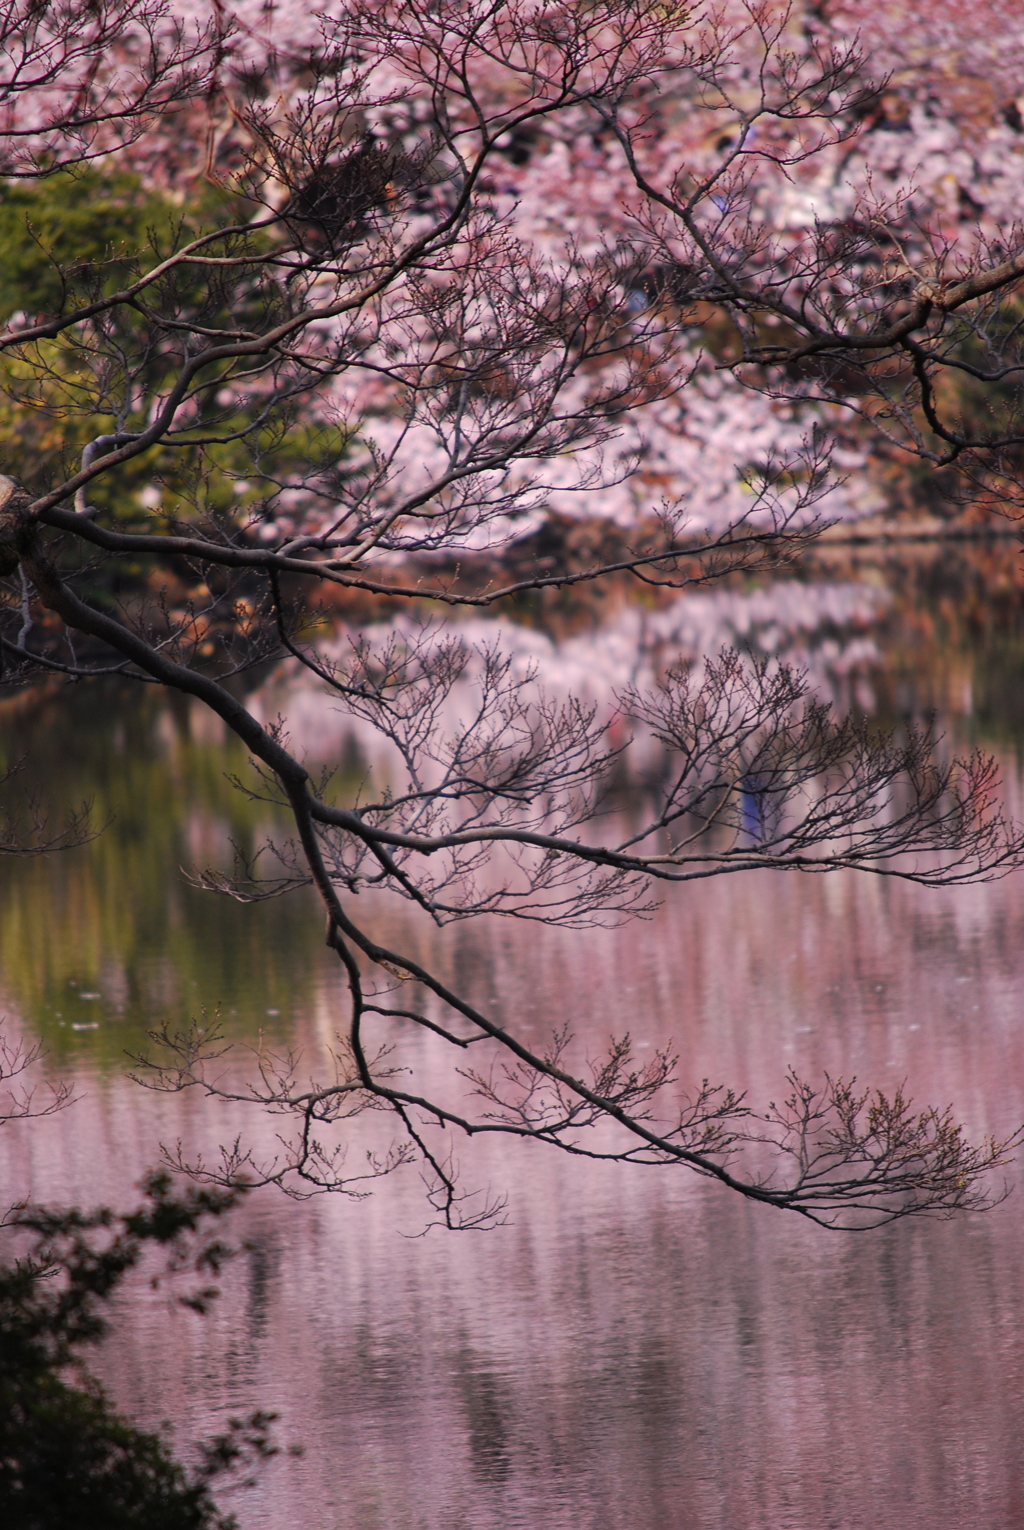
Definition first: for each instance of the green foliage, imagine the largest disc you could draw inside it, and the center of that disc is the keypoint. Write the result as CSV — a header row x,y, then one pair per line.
x,y
81,235
67,1458
73,234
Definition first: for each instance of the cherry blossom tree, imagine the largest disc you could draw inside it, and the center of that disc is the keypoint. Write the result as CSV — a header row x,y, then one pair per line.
x,y
468,267
77,82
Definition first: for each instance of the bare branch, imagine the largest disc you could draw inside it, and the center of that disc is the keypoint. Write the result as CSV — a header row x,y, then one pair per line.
x,y
398,352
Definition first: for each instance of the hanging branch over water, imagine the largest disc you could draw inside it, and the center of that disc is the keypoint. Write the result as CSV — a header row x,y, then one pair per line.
x,y
20,1100
383,329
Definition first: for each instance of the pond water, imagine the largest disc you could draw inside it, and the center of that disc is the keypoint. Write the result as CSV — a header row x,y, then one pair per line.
x,y
633,1349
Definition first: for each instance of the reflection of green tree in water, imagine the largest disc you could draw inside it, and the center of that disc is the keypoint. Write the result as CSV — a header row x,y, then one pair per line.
x,y
116,918
954,642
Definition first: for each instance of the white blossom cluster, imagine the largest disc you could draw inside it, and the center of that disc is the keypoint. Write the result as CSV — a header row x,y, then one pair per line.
x,y
941,143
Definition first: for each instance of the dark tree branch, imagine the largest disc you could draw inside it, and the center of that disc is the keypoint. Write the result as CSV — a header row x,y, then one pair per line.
x,y
385,291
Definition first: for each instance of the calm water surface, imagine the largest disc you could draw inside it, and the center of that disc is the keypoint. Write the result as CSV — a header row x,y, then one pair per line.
x,y
634,1350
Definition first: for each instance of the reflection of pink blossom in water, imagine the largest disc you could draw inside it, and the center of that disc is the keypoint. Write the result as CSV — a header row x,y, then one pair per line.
x,y
635,1350
823,629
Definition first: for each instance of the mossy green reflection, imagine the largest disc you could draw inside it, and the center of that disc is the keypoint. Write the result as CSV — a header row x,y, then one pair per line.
x,y
109,937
